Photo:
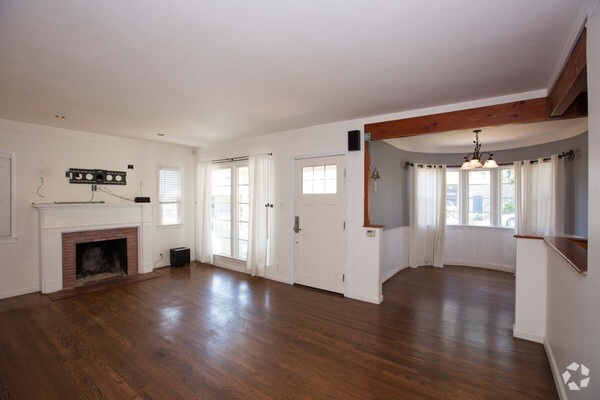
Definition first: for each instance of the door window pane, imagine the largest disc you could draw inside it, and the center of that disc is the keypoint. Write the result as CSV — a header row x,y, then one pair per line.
x,y
479,198
230,210
319,179
221,211
243,249
243,230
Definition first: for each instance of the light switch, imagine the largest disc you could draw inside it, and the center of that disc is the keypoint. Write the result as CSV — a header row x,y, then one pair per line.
x,y
370,233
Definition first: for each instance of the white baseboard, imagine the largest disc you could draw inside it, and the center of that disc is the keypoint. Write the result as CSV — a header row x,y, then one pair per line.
x,y
19,292
505,268
368,299
391,273
531,336
560,387
278,278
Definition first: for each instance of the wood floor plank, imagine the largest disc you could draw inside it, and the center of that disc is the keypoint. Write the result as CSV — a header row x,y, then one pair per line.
x,y
201,332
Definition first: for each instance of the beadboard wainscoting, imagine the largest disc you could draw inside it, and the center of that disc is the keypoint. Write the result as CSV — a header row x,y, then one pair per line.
x,y
476,246
394,252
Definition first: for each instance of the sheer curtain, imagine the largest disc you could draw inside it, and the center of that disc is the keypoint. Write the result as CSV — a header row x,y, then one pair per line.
x,y
204,251
539,194
258,237
427,216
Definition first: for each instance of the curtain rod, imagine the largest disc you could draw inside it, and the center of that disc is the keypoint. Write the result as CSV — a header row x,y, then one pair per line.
x,y
569,155
234,159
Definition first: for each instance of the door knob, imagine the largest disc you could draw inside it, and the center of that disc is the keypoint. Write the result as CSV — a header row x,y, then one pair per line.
x,y
297,224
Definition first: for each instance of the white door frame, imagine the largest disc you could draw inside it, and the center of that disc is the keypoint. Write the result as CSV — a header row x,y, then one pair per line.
x,y
293,210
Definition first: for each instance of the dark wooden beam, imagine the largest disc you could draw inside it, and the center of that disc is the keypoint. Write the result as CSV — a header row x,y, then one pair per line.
x,y
578,109
535,110
572,80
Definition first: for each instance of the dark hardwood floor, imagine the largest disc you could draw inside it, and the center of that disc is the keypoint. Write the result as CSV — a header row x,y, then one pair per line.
x,y
205,333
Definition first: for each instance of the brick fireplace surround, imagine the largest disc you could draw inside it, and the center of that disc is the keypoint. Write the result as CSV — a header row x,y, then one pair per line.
x,y
69,247
61,226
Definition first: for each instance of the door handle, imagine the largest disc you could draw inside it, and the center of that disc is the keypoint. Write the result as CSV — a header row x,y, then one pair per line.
x,y
297,224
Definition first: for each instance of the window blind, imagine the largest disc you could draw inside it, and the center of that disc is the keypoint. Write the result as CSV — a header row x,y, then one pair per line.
x,y
170,185
5,196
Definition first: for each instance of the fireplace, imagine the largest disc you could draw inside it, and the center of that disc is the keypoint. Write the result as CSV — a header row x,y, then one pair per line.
x,y
63,226
100,260
93,255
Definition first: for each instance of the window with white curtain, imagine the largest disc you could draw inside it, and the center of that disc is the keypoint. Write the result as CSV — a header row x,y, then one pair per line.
x,y
169,196
7,198
479,201
481,197
230,210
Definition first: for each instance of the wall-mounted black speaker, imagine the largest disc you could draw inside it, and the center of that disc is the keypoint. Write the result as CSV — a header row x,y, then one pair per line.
x,y
353,140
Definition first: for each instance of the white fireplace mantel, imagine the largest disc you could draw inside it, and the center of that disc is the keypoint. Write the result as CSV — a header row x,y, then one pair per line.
x,y
56,219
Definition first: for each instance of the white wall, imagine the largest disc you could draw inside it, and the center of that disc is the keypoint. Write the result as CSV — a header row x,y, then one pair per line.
x,y
53,151
573,323
480,247
394,252
531,290
465,245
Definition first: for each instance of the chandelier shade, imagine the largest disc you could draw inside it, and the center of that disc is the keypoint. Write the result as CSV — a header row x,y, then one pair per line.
x,y
476,158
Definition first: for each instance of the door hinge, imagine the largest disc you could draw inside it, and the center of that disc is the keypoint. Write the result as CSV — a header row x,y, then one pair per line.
x,y
344,172
344,225
343,277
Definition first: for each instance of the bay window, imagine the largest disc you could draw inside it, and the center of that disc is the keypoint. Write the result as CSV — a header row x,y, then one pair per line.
x,y
481,197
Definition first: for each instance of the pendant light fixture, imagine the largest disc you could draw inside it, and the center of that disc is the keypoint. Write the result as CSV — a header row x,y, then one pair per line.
x,y
474,160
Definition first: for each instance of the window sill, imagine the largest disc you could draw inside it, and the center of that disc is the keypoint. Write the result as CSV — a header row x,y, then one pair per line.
x,y
8,240
481,227
169,226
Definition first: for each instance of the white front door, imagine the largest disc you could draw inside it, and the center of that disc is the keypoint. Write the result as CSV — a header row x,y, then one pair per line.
x,y
319,213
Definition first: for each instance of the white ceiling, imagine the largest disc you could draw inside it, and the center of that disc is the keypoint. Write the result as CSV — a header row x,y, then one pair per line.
x,y
494,138
203,72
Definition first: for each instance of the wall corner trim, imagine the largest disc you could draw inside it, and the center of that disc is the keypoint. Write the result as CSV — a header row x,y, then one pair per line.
x,y
531,336
560,387
368,299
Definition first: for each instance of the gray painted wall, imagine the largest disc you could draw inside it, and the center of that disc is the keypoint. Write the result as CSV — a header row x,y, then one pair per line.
x,y
390,204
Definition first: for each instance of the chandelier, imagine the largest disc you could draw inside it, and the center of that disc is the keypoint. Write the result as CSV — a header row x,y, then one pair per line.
x,y
474,160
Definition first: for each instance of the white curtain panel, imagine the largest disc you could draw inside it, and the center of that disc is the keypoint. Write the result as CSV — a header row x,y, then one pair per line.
x,y
258,238
427,216
539,194
204,251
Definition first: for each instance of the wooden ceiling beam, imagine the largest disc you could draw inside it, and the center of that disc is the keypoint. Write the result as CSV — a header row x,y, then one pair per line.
x,y
572,80
534,110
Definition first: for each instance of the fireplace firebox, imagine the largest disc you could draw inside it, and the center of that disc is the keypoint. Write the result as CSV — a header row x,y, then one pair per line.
x,y
102,259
